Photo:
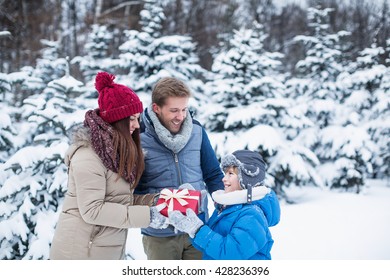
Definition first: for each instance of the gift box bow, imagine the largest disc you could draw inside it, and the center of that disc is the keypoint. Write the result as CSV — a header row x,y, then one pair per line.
x,y
179,195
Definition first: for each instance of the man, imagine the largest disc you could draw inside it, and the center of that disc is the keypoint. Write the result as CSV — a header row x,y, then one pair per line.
x,y
177,151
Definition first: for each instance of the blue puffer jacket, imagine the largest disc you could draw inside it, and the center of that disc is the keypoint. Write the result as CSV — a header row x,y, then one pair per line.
x,y
194,163
240,232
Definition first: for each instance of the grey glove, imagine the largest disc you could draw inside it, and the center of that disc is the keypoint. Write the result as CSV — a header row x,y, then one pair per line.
x,y
157,220
189,224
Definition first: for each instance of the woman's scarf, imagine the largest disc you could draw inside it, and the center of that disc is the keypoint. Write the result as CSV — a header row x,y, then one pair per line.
x,y
102,134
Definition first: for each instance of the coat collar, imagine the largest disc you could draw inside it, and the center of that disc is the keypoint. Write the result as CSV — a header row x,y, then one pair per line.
x,y
240,196
80,138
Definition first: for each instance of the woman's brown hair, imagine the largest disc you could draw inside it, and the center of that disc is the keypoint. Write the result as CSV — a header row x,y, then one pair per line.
x,y
128,147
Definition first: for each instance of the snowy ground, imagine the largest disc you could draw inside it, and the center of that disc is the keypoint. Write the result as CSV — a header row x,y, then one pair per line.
x,y
326,225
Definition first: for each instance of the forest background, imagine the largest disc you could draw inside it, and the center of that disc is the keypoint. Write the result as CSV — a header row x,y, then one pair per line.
x,y
208,22
307,85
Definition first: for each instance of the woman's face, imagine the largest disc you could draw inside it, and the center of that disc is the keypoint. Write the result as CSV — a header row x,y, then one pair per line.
x,y
134,122
230,180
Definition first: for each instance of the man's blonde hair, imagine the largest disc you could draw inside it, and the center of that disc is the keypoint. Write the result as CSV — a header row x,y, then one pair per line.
x,y
169,87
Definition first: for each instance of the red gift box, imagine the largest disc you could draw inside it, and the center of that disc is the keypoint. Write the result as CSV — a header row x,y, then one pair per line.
x,y
178,199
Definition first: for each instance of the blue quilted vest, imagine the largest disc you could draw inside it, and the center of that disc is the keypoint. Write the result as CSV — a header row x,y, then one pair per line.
x,y
165,169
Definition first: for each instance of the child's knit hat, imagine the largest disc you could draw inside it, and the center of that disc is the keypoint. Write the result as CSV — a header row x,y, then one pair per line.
x,y
251,168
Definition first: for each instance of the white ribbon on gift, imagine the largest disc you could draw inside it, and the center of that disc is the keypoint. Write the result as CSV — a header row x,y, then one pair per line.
x,y
179,195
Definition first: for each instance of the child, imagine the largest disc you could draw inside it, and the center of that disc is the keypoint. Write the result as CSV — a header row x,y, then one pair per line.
x,y
238,228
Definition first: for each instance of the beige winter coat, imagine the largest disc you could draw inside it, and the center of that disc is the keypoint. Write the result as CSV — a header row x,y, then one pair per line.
x,y
97,209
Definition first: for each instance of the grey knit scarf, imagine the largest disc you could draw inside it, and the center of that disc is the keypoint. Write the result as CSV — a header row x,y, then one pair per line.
x,y
174,142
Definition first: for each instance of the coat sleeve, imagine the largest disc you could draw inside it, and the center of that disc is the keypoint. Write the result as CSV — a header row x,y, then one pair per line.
x,y
90,180
144,199
246,237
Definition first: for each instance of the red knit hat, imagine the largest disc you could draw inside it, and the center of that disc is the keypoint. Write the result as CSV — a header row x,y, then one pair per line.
x,y
115,101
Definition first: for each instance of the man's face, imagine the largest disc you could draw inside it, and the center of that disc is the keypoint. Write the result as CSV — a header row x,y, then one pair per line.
x,y
173,113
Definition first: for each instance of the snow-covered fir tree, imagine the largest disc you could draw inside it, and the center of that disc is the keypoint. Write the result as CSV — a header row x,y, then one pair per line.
x,y
7,133
50,65
368,85
324,50
23,83
379,128
148,56
7,130
250,104
322,64
15,87
33,179
152,17
382,134
5,88
97,57
343,147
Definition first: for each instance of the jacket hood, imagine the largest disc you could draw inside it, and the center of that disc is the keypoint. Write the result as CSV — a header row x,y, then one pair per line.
x,y
80,138
271,208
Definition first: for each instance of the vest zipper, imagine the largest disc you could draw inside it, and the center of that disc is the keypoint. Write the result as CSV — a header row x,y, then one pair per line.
x,y
177,168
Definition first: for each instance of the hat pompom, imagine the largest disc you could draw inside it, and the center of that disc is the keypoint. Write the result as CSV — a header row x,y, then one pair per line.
x,y
103,80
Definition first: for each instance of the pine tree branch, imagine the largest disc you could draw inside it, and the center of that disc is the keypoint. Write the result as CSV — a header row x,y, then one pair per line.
x,y
120,6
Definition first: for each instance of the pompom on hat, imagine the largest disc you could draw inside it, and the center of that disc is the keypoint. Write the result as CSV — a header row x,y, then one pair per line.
x,y
115,101
251,168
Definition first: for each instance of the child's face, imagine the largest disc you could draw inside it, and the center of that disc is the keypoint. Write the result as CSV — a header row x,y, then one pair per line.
x,y
231,180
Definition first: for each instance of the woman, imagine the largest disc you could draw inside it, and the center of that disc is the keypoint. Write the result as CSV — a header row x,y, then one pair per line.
x,y
105,163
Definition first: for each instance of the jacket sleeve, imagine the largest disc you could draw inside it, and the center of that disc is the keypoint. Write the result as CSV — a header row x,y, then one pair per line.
x,y
246,237
90,181
144,199
212,173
